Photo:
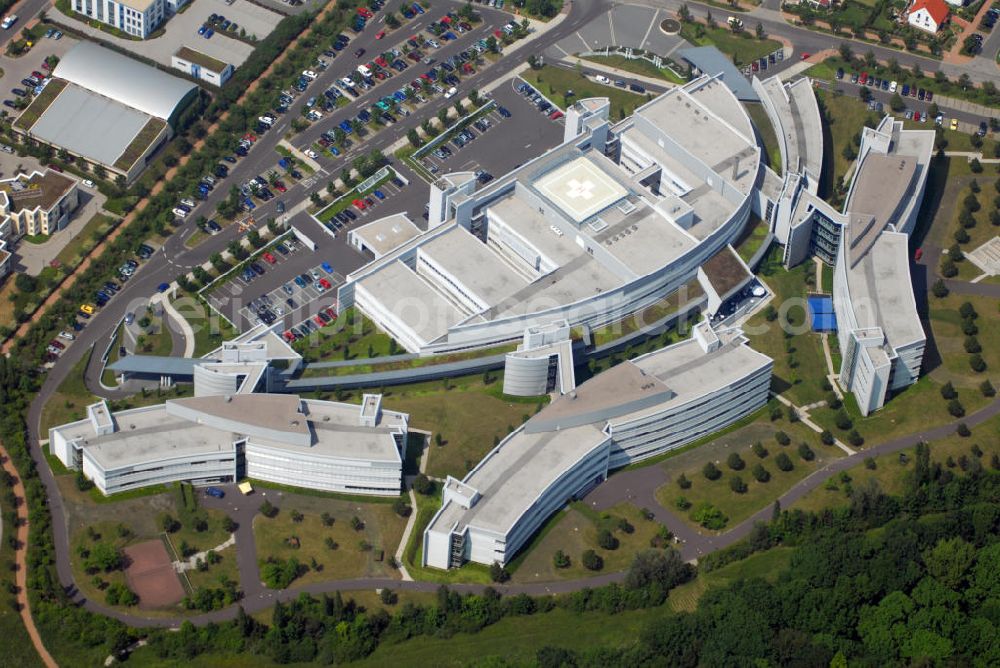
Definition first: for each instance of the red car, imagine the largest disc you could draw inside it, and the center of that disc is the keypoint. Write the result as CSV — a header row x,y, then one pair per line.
x,y
381,62
250,136
325,283
917,254
359,204
318,320
281,187
330,312
288,336
55,168
555,115
380,34
37,74
805,56
270,259
365,12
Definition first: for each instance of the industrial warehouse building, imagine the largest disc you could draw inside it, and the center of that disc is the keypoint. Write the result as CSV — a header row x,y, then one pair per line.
x,y
638,409
106,109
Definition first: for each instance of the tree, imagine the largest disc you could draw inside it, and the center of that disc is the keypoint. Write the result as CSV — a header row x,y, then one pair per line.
x,y
606,540
949,561
267,509
498,573
972,345
711,471
854,438
709,517
330,543
975,166
806,453
845,52
760,474
25,283
735,462
843,420
413,137
560,560
967,311
357,523
169,524
423,485
987,389
896,103
783,462
939,289
737,485
401,508
327,519
759,31
295,516
591,560
664,568
977,363
782,438
683,482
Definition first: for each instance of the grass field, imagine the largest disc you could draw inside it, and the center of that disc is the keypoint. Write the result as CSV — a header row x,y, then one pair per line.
x,y
18,650
767,134
352,335
767,565
637,66
742,48
752,239
382,531
738,507
651,314
576,531
845,117
891,471
946,323
797,374
554,82
470,417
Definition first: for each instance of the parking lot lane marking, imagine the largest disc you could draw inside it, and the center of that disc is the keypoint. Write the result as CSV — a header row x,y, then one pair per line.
x,y
652,23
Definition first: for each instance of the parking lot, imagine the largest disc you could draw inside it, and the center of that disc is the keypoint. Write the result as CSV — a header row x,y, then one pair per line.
x,y
289,285
182,30
357,209
625,25
506,143
15,69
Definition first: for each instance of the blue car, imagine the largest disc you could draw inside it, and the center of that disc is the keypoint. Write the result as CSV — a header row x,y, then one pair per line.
x,y
162,287
201,30
417,8
346,127
299,281
335,150
399,95
249,204
327,268
379,194
209,33
215,492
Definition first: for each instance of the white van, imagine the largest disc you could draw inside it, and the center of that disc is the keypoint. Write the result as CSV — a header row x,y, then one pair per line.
x,y
9,21
180,213
364,71
451,92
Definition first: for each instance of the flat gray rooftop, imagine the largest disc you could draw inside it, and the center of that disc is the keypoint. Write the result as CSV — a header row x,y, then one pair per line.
x,y
386,234
90,125
881,291
479,269
155,365
409,298
881,191
711,61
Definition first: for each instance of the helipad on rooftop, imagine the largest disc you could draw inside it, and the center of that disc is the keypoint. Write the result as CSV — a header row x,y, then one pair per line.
x,y
580,189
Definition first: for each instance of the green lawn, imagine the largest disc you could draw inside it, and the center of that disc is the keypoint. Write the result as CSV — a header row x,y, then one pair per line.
x,y
738,507
797,374
471,418
947,326
752,238
555,82
637,66
763,124
845,116
649,315
574,531
742,48
350,336
382,531
18,650
69,402
767,565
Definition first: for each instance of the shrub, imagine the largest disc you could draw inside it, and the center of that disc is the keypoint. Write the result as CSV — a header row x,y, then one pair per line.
x,y
682,503
711,472
969,327
625,526
357,524
967,311
760,474
735,462
782,438
591,561
806,453
423,485
955,408
870,463
709,517
560,559
330,543
737,485
939,289
606,540
388,596
971,345
948,391
327,519
826,437
833,401
759,449
169,523
963,430
977,363
683,482
401,508
295,516
783,462
843,420
855,439
987,389
498,573
976,450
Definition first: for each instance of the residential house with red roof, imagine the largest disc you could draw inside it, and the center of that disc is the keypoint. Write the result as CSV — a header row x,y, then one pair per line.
x,y
928,15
